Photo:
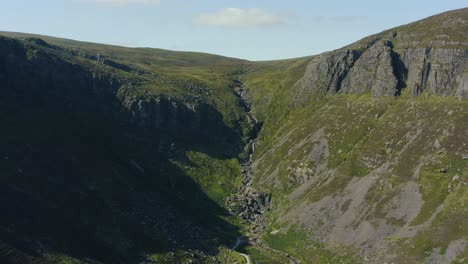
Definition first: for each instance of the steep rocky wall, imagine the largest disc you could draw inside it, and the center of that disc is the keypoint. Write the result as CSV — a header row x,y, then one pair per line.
x,y
37,73
437,70
384,69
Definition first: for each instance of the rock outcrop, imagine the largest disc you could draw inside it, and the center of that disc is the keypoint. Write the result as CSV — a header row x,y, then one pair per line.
x,y
385,65
354,71
437,70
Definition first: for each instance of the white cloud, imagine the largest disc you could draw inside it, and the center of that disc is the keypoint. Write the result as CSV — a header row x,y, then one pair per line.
x,y
237,17
124,2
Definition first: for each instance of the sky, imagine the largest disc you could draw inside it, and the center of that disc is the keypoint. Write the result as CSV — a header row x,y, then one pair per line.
x,y
247,29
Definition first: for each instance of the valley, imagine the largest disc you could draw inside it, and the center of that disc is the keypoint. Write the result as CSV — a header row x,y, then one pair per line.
x,y
137,155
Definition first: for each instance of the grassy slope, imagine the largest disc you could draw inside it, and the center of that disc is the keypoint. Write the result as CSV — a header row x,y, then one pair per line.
x,y
355,135
357,130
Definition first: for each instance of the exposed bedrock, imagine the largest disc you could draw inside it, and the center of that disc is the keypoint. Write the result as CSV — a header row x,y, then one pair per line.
x,y
384,68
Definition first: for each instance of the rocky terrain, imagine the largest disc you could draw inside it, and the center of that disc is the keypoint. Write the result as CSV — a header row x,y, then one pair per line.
x,y
119,155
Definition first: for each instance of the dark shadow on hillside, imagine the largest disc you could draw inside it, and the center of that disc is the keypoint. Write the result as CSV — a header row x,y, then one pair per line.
x,y
399,70
81,175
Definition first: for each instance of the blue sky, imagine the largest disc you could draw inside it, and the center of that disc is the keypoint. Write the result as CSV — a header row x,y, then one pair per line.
x,y
248,29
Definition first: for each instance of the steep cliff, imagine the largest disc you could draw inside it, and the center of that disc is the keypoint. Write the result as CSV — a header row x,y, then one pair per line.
x,y
405,57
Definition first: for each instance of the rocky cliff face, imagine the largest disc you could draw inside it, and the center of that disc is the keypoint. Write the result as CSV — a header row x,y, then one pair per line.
x,y
388,63
353,71
437,70
27,71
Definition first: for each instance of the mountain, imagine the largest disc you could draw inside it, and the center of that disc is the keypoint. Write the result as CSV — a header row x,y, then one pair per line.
x,y
138,155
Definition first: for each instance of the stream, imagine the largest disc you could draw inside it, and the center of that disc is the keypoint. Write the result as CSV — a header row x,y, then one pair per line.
x,y
257,220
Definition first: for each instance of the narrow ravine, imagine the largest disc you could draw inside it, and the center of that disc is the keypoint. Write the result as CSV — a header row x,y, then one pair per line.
x,y
248,203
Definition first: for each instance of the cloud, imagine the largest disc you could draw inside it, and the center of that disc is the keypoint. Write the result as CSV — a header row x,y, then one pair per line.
x,y
238,17
124,2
